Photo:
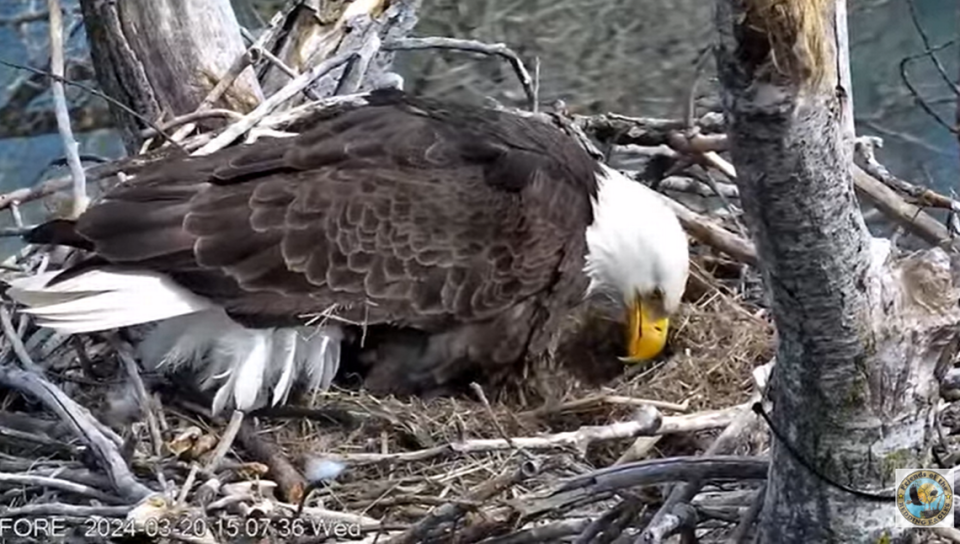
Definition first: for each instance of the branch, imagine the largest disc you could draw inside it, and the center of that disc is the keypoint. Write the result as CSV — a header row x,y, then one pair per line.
x,y
292,88
25,124
64,510
57,483
911,217
97,93
291,482
472,46
916,94
915,17
708,232
70,145
865,157
594,486
579,439
24,18
454,511
83,426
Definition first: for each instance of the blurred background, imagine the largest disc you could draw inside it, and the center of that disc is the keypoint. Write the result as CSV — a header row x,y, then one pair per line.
x,y
634,57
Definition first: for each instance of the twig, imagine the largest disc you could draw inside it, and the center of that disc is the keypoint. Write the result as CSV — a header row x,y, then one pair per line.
x,y
24,18
865,156
682,184
188,483
143,399
478,391
713,235
496,49
38,439
65,510
190,118
915,17
83,426
226,441
288,91
593,401
452,512
612,523
552,532
355,71
291,483
237,68
685,492
681,518
592,487
258,51
96,93
70,145
916,94
59,484
578,439
742,531
16,343
902,212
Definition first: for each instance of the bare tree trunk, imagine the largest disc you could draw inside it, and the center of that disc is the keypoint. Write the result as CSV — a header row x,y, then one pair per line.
x,y
161,58
861,337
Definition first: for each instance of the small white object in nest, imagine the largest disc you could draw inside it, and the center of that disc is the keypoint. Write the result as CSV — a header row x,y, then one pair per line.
x,y
319,470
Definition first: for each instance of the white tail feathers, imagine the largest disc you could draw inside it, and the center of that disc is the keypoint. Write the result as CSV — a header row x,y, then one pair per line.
x,y
101,299
249,367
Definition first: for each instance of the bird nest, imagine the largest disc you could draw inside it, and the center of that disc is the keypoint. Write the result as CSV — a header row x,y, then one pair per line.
x,y
109,449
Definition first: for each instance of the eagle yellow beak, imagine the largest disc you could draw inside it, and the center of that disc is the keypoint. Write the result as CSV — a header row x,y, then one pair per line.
x,y
646,336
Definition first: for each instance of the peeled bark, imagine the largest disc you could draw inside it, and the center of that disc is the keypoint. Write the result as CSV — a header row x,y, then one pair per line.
x,y
862,334
161,58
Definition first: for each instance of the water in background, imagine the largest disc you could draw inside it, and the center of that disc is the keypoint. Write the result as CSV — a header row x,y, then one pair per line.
x,y
881,34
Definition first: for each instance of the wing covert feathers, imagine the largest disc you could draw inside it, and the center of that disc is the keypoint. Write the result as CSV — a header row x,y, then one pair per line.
x,y
405,211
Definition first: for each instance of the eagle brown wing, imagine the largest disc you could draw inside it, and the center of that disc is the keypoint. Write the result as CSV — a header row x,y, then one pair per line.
x,y
406,211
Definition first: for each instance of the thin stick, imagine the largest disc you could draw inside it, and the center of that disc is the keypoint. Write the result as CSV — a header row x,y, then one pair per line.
x,y
143,399
288,91
477,390
190,118
472,46
97,93
454,511
64,510
739,535
70,145
684,493
16,343
226,441
599,400
84,426
578,439
57,483
191,477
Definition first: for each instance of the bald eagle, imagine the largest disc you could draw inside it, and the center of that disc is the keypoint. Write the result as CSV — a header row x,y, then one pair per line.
x,y
427,241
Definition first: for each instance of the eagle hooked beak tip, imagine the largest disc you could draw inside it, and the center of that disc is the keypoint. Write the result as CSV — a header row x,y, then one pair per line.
x,y
646,335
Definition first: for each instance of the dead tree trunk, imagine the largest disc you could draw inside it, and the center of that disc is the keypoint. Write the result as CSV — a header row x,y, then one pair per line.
x,y
161,58
862,334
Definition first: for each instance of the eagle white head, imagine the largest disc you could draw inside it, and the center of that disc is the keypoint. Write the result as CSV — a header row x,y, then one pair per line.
x,y
637,253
